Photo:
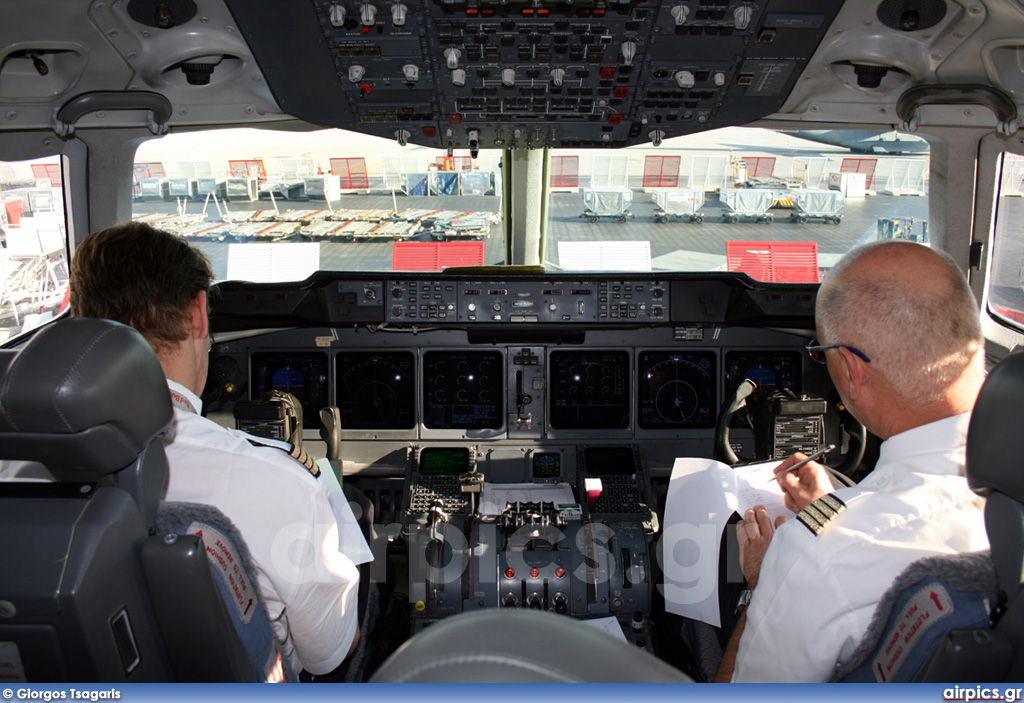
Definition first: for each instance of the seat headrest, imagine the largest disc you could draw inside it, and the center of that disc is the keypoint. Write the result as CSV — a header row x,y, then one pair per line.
x,y
993,452
83,396
515,645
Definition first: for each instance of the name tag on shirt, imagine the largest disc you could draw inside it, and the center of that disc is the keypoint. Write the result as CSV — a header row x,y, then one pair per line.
x,y
351,542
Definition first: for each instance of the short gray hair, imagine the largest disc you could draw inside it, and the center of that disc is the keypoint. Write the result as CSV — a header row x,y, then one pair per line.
x,y
921,336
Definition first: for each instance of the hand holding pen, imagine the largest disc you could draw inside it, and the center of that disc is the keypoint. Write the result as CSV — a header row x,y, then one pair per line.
x,y
813,457
804,481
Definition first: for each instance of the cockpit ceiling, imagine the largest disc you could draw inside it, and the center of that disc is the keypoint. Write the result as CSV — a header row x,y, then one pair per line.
x,y
513,74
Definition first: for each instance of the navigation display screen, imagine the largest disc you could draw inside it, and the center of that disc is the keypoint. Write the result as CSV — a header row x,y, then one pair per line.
x,y
444,461
589,390
676,389
377,390
463,390
771,371
304,375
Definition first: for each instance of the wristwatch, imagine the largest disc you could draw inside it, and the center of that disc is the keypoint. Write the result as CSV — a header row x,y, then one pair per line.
x,y
744,600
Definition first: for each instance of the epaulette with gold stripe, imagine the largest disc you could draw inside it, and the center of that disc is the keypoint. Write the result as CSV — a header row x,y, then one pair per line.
x,y
816,516
297,453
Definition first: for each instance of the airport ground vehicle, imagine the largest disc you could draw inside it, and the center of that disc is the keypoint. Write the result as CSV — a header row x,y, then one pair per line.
x,y
549,97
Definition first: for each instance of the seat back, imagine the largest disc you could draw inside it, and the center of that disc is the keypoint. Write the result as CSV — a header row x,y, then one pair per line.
x,y
931,597
76,602
86,593
197,549
968,609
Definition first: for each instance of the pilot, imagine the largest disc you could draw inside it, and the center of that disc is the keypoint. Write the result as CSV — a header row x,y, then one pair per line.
x,y
898,328
156,283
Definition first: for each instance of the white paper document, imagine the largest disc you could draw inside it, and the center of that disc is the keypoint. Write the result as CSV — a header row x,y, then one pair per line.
x,y
351,542
609,626
702,496
496,496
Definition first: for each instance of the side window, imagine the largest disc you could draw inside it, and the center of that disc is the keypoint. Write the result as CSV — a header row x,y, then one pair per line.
x,y
1006,274
33,258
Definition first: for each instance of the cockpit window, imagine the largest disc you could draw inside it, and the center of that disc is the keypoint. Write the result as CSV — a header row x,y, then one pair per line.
x,y
33,256
1006,277
780,206
272,206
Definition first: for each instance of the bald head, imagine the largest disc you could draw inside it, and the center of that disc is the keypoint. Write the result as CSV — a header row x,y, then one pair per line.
x,y
912,312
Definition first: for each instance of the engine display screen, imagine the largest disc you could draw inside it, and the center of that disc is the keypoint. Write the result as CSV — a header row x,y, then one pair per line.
x,y
589,390
609,461
463,390
444,461
377,390
304,375
676,389
771,371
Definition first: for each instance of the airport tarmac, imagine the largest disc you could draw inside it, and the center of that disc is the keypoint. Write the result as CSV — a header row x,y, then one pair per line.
x,y
675,245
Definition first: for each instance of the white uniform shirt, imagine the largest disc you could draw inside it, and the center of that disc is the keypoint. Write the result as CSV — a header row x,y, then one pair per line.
x,y
284,515
816,594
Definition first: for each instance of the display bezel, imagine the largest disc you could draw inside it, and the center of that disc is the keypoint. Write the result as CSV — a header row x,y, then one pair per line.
x,y
426,454
693,357
310,409
359,357
556,417
431,428
793,355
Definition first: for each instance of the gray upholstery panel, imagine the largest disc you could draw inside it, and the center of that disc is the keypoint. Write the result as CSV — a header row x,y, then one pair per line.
x,y
1004,522
70,567
993,451
520,646
83,396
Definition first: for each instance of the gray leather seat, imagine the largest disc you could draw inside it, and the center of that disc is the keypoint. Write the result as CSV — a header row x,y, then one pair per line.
x,y
85,587
520,646
995,468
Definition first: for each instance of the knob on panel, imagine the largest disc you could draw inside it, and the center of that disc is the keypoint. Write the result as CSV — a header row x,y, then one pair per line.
x,y
398,13
685,79
451,55
680,13
628,52
368,14
742,15
337,15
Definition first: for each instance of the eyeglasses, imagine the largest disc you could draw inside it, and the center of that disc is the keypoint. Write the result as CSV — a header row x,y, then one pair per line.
x,y
817,351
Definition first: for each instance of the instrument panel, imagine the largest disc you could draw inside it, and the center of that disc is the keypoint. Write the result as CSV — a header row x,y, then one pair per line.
x,y
418,360
587,389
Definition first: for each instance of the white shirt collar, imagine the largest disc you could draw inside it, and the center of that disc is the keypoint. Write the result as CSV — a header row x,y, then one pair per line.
x,y
945,435
183,398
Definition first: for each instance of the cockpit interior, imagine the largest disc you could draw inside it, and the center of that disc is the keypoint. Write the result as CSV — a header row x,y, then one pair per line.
x,y
510,259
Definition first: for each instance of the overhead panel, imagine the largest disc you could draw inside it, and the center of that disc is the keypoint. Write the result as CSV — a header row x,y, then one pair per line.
x,y
531,74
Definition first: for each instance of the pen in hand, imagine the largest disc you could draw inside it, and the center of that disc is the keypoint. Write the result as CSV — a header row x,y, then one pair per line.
x,y
817,455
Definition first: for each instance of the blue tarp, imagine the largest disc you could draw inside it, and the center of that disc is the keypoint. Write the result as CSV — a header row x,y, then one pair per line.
x,y
416,184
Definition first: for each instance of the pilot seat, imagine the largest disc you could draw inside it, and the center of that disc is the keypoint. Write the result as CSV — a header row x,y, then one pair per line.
x,y
90,589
